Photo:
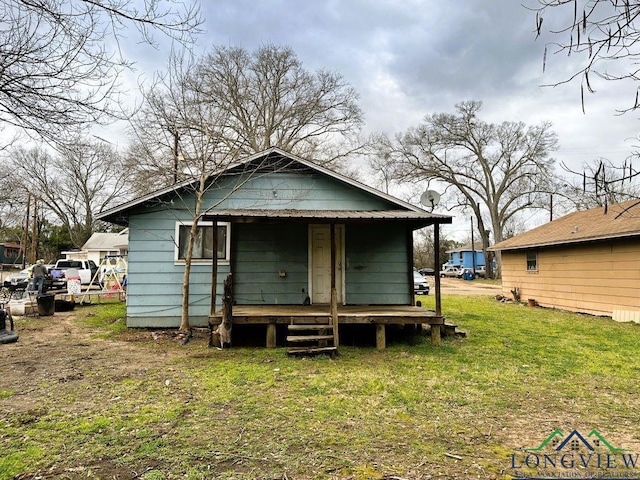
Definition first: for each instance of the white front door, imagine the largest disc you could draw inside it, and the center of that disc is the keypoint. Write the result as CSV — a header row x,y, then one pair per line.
x,y
320,262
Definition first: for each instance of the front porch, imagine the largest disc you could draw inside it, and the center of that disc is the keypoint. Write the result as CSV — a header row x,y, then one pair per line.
x,y
378,315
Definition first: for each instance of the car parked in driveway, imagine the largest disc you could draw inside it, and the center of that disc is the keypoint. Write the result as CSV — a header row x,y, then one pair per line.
x,y
480,271
450,271
85,269
420,284
18,280
427,271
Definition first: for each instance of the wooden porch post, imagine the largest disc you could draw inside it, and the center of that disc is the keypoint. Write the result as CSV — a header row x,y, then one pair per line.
x,y
214,284
436,267
381,339
271,335
435,329
214,270
334,293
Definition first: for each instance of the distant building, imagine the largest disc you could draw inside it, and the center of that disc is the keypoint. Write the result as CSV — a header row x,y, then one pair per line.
x,y
101,244
10,254
464,256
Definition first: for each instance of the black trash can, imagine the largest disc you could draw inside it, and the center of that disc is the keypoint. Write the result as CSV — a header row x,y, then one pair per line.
x,y
46,304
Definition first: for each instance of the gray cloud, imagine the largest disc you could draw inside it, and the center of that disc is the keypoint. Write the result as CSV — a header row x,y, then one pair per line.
x,y
417,57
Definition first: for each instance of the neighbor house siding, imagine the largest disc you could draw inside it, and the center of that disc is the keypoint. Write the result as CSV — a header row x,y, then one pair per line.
x,y
377,266
594,278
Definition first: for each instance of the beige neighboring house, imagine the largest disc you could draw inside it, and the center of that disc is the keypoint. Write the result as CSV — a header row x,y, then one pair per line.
x,y
101,244
587,261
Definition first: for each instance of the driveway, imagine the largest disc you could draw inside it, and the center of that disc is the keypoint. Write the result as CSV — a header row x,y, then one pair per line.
x,y
458,286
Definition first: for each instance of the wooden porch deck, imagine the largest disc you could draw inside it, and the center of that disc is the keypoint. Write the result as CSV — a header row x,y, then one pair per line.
x,y
379,315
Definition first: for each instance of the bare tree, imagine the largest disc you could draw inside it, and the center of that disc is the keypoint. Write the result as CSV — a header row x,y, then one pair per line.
x,y
495,170
74,184
192,157
424,249
382,172
62,60
259,100
271,100
605,33
602,183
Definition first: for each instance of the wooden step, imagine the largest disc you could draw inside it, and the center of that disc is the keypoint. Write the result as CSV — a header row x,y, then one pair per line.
x,y
307,350
297,327
308,338
451,329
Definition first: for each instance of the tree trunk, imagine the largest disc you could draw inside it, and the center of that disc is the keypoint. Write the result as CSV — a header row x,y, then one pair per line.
x,y
227,312
184,319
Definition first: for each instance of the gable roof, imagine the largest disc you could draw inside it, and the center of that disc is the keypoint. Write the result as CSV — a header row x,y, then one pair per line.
x,y
602,223
107,241
411,212
464,248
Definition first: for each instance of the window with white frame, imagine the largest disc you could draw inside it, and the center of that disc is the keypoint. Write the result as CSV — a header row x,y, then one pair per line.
x,y
203,245
532,260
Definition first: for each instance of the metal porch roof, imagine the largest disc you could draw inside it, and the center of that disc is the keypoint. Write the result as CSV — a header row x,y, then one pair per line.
x,y
416,218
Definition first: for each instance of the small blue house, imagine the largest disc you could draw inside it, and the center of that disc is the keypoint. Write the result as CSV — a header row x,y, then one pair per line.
x,y
464,256
290,231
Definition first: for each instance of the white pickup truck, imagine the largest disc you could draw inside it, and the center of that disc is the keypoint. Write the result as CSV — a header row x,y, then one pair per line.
x,y
86,270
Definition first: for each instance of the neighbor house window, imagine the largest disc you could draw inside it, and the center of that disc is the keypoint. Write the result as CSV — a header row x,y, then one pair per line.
x,y
203,246
532,260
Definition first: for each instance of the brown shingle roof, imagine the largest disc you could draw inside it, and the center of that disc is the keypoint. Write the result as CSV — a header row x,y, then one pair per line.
x,y
619,220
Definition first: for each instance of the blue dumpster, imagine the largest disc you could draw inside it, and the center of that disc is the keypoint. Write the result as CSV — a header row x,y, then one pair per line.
x,y
468,275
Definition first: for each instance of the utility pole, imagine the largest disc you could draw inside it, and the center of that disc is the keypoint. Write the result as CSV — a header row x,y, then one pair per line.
x,y
25,233
34,232
473,249
175,156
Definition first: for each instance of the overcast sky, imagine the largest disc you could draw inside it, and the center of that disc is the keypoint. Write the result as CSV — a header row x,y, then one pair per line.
x,y
411,58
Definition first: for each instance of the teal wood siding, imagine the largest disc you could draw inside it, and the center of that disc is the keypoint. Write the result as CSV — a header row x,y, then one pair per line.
x,y
260,253
377,266
154,291
292,191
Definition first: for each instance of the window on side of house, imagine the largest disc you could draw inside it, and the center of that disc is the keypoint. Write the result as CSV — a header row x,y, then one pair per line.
x,y
203,246
532,260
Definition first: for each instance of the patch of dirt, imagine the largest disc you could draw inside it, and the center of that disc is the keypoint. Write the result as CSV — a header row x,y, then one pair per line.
x,y
457,286
54,348
59,356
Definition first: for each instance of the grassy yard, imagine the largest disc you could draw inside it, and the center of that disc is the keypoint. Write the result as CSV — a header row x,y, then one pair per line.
x,y
412,411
